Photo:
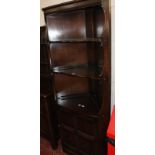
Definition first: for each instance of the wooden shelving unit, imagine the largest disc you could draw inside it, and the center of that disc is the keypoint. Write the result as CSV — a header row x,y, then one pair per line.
x,y
79,49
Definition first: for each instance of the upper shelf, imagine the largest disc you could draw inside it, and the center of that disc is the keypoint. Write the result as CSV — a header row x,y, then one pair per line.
x,y
71,5
98,40
80,71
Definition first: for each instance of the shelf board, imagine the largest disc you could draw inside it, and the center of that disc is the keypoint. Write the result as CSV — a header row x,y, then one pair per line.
x,y
76,40
70,94
83,104
80,71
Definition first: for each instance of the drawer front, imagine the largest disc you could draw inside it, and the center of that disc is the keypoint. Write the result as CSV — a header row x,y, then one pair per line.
x,y
84,146
87,125
69,138
69,150
67,118
79,133
88,145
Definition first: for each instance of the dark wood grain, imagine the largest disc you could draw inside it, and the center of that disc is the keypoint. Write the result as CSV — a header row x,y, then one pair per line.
x,y
71,6
84,71
80,66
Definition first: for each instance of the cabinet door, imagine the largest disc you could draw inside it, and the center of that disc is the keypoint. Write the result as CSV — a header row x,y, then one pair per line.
x,y
87,125
86,146
67,118
87,135
69,138
67,129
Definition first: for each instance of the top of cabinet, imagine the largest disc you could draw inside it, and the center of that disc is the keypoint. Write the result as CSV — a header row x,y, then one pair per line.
x,y
71,5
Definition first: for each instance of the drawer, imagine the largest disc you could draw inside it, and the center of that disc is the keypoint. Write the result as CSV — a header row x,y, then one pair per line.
x,y
85,146
68,138
87,125
67,118
69,150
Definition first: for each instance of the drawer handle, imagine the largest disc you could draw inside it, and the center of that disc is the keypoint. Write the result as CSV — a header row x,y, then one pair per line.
x,y
81,105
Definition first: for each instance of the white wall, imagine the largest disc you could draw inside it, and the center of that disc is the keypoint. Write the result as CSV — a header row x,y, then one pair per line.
x,y
45,3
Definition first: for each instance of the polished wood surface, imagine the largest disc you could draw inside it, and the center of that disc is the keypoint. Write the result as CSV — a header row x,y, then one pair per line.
x,y
80,58
71,6
59,26
80,71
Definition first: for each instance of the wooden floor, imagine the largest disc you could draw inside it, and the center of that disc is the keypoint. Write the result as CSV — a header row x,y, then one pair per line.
x,y
46,149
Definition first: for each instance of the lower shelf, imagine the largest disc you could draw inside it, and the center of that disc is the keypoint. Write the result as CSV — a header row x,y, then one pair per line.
x,y
83,104
91,71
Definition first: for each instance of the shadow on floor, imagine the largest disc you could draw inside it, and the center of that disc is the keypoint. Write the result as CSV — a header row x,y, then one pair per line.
x,y
46,149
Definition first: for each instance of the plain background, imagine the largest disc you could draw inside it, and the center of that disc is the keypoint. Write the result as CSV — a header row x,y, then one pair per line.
x,y
20,83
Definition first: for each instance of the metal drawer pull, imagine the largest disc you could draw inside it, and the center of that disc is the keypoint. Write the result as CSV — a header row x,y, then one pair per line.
x,y
81,105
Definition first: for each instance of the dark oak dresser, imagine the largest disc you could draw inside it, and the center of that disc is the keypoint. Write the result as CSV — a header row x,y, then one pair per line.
x,y
48,119
80,65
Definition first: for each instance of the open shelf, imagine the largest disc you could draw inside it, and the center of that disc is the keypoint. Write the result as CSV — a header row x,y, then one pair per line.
x,y
68,95
95,40
80,71
80,103
77,40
